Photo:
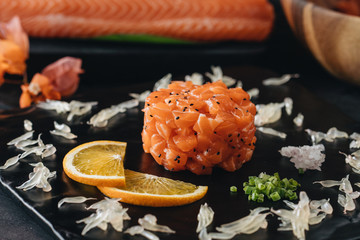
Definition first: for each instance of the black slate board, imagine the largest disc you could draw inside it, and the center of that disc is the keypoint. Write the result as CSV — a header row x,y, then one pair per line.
x,y
228,207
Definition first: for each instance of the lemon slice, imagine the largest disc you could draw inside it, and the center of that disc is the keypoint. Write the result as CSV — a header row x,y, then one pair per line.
x,y
98,163
149,190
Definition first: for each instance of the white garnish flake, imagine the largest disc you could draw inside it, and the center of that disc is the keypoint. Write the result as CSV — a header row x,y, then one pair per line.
x,y
246,225
268,113
10,162
140,96
288,105
217,75
78,199
163,82
305,157
28,126
280,80
101,118
347,200
302,215
195,78
253,93
107,211
298,120
23,137
62,130
149,222
272,132
38,178
204,217
134,230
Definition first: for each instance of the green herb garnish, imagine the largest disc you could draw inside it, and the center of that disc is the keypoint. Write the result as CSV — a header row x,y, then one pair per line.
x,y
272,187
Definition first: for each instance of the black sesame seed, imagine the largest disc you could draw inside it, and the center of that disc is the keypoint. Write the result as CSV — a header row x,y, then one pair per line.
x,y
233,147
178,161
247,110
148,104
249,144
184,109
171,93
244,99
177,156
191,104
195,133
177,118
238,134
218,153
215,132
214,96
194,150
242,140
151,115
236,108
253,144
177,94
231,140
156,97
196,109
217,102
203,167
159,155
172,169
169,101
238,155
230,135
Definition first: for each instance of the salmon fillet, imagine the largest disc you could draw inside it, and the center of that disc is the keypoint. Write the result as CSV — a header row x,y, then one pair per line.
x,y
250,20
199,127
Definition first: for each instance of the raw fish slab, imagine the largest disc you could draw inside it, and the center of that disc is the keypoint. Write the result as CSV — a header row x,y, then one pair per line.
x,y
227,207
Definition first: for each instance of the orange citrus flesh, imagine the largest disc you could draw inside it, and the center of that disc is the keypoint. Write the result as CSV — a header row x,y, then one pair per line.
x,y
98,163
149,190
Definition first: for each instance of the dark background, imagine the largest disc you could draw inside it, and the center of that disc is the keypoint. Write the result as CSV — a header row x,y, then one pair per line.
x,y
119,64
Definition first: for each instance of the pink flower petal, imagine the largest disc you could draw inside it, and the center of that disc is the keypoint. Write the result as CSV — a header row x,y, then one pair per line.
x,y
64,75
14,32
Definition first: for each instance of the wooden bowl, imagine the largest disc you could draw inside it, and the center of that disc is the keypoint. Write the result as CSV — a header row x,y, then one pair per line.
x,y
332,37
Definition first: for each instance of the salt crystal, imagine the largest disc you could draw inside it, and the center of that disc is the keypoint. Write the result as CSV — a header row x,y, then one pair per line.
x,y
305,157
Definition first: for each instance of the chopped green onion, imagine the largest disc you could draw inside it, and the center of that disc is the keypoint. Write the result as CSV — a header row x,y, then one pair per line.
x,y
233,189
273,187
301,171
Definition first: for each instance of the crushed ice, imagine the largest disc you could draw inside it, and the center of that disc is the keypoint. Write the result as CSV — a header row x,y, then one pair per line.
x,y
305,157
38,178
107,211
